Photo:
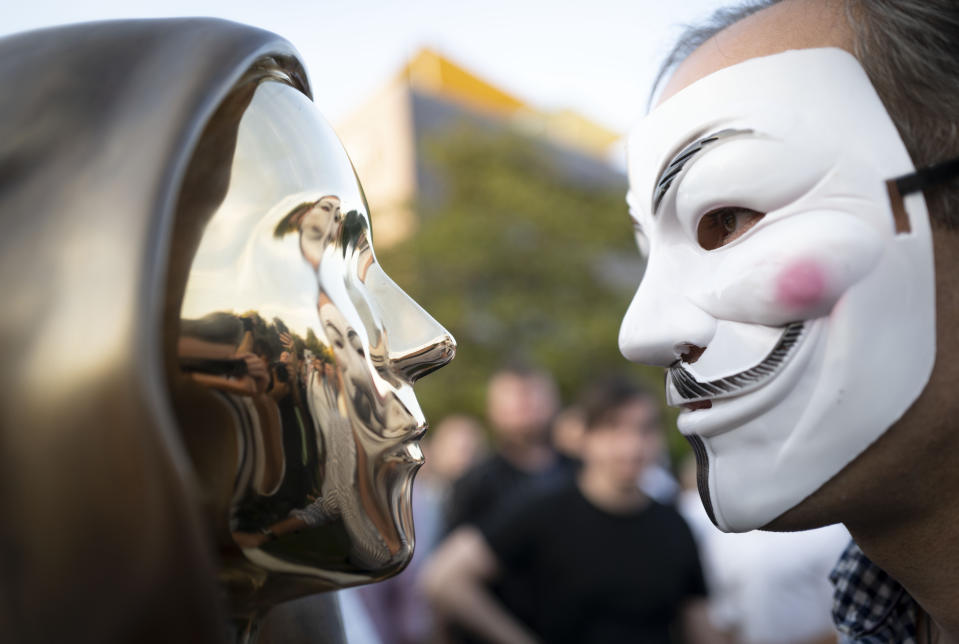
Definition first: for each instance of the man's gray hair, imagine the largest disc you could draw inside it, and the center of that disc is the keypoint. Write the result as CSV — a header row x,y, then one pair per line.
x,y
909,50
696,34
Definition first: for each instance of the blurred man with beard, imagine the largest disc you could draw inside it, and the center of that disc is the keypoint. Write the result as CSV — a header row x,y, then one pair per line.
x,y
521,403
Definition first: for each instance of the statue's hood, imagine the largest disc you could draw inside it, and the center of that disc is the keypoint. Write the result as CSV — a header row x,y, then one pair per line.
x,y
100,539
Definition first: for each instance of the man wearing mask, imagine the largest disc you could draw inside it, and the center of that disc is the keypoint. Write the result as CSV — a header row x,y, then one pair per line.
x,y
793,190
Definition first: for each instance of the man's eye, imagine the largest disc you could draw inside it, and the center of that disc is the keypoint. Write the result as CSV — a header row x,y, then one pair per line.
x,y
723,225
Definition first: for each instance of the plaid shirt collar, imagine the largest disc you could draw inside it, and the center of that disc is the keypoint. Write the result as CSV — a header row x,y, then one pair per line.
x,y
869,606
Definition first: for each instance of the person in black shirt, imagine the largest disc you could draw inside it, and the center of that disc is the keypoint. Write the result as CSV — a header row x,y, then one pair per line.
x,y
599,561
520,404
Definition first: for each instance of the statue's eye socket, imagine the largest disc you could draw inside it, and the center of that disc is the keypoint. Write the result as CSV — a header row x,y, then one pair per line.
x,y
720,226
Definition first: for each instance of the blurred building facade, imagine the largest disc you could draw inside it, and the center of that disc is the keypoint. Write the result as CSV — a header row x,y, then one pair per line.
x,y
430,96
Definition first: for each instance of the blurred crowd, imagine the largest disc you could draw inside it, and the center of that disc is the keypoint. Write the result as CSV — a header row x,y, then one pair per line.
x,y
568,524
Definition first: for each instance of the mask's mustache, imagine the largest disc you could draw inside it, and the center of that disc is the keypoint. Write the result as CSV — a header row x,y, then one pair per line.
x,y
690,389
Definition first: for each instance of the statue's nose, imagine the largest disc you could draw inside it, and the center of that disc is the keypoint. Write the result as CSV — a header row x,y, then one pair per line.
x,y
418,344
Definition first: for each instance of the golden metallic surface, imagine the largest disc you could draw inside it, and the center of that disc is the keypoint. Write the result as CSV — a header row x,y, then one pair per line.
x,y
140,158
103,538
294,356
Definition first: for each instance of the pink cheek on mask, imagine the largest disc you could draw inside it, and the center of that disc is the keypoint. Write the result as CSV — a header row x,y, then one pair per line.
x,y
801,285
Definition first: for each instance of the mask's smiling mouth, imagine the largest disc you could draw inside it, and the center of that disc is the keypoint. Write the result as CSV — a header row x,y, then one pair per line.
x,y
685,390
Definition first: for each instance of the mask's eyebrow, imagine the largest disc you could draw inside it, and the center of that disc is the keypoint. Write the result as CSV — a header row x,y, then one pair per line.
x,y
678,162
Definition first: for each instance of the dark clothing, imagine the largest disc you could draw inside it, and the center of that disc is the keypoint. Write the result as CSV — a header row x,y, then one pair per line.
x,y
590,576
869,606
484,487
479,495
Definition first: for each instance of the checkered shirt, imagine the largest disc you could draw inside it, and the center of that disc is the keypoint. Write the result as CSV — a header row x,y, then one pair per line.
x,y
869,606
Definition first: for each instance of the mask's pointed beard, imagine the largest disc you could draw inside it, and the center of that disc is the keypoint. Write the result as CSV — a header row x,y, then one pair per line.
x,y
689,389
702,475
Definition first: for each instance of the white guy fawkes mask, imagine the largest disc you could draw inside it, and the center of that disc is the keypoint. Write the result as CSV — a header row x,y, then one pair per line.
x,y
818,321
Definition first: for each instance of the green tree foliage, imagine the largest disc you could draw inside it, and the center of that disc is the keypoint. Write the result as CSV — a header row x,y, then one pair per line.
x,y
522,264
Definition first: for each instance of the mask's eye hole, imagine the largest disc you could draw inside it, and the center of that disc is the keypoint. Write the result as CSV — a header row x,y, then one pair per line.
x,y
723,225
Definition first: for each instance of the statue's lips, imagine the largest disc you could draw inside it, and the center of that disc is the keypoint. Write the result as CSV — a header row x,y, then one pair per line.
x,y
419,432
406,451
684,389
410,451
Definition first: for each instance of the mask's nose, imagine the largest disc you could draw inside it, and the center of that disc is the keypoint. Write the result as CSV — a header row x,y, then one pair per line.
x,y
417,343
661,325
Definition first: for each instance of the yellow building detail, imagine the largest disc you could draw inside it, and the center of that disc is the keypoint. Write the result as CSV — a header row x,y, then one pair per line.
x,y
379,135
431,73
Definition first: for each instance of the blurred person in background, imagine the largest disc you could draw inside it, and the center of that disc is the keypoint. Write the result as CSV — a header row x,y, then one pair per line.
x,y
566,436
597,559
765,587
569,427
456,446
397,607
657,480
521,404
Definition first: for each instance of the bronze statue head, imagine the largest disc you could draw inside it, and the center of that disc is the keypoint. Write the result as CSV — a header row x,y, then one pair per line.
x,y
201,347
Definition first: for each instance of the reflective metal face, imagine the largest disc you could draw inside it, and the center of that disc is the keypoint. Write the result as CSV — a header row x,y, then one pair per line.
x,y
794,315
290,322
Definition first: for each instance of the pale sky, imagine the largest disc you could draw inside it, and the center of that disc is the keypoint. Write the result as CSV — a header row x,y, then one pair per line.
x,y
597,57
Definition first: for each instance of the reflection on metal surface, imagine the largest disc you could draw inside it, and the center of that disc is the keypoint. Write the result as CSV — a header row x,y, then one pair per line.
x,y
289,322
